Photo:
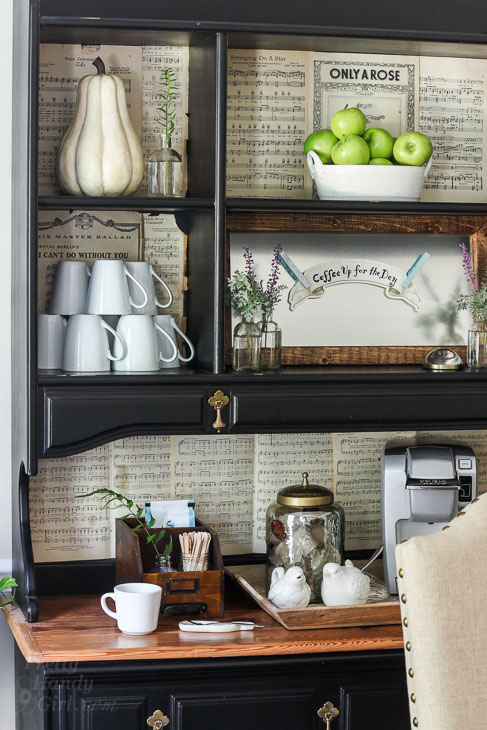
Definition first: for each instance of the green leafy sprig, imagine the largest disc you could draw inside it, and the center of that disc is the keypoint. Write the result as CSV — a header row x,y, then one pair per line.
x,y
135,512
166,112
6,584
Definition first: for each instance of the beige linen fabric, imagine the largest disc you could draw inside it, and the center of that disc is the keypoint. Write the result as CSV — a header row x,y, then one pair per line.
x,y
443,594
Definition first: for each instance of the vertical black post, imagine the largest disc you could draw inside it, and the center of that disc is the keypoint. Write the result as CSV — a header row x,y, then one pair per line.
x,y
220,193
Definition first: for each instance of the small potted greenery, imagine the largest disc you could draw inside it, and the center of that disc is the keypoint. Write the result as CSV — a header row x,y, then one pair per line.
x,y
476,304
7,584
135,512
165,169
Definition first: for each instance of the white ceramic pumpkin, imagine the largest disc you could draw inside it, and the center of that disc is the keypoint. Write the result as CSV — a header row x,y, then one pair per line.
x,y
100,153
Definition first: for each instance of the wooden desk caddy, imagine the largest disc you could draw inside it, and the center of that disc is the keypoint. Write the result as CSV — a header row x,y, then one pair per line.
x,y
183,593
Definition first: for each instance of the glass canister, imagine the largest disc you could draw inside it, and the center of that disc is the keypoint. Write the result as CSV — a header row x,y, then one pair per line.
x,y
305,527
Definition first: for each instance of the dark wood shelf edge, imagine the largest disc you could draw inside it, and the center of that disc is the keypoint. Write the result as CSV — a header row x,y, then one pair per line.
x,y
166,205
281,205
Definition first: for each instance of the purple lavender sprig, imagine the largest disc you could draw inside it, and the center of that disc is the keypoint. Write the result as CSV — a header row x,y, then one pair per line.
x,y
249,263
468,268
274,274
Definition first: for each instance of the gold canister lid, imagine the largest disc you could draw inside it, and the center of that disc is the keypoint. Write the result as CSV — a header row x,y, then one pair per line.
x,y
305,494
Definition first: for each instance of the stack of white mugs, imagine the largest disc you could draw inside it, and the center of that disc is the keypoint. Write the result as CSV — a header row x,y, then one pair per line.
x,y
115,297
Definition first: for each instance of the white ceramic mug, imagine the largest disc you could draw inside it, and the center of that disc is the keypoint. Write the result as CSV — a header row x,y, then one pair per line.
x,y
137,607
86,346
51,329
70,288
138,333
167,324
143,272
108,292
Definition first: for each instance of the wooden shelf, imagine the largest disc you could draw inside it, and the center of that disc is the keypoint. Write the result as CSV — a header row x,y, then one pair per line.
x,y
74,628
166,205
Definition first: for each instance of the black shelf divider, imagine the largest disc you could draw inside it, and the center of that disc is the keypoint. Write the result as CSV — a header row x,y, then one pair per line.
x,y
149,205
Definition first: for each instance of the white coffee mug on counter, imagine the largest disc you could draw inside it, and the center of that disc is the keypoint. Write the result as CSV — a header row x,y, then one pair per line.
x,y
108,292
144,273
86,346
167,324
70,289
51,330
138,333
137,607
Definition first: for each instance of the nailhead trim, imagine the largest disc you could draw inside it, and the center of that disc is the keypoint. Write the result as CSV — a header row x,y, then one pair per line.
x,y
411,672
403,598
415,722
408,646
405,621
413,697
401,573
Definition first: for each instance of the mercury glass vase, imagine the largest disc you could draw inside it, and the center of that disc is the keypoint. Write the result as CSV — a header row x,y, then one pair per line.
x,y
270,345
165,171
246,346
477,346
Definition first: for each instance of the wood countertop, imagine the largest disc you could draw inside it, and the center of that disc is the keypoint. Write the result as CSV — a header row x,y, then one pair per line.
x,y
74,628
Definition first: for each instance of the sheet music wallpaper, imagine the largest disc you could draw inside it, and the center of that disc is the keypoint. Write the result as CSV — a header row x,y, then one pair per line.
x,y
232,478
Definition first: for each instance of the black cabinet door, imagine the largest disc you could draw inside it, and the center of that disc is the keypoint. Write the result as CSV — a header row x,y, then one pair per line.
x,y
120,706
75,419
368,706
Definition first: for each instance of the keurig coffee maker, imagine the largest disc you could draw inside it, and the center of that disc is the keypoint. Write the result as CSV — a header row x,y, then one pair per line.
x,y
423,488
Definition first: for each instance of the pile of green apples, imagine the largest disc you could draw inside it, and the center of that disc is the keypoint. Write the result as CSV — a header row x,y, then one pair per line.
x,y
349,143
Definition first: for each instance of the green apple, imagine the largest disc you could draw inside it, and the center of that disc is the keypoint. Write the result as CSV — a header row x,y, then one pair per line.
x,y
321,142
380,142
412,148
352,150
379,161
348,121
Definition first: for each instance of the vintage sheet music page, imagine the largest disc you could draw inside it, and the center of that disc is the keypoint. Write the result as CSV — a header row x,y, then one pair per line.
x,y
154,59
356,464
217,471
83,236
267,124
279,461
164,248
64,527
60,69
453,102
384,87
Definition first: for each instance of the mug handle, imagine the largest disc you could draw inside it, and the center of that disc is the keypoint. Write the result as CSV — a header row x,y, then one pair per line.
x,y
175,352
118,338
132,303
162,306
104,604
188,342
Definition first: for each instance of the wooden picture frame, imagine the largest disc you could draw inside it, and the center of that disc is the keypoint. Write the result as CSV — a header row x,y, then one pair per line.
x,y
473,226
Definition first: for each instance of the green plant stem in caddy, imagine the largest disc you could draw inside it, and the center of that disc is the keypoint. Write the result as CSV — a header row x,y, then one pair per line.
x,y
7,584
166,112
135,512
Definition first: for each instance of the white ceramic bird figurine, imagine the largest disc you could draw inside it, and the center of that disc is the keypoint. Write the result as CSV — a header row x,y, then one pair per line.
x,y
289,589
344,585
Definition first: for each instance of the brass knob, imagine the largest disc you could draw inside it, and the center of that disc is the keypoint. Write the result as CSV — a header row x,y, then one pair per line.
x,y
218,401
328,713
158,720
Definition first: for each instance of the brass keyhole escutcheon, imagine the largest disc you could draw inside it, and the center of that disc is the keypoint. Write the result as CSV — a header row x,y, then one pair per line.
x,y
328,713
158,720
218,401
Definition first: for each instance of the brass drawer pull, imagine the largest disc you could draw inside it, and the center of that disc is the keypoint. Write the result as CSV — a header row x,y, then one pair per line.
x,y
218,401
328,713
158,720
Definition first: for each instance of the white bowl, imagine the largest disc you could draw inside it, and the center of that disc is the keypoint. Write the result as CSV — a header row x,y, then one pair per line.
x,y
367,182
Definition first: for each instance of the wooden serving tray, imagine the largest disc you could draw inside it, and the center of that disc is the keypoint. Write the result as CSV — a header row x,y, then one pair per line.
x,y
316,616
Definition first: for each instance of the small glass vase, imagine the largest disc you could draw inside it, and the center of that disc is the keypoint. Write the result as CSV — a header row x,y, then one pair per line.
x,y
165,171
270,344
163,564
477,346
246,346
